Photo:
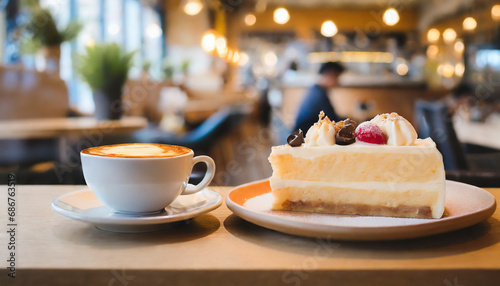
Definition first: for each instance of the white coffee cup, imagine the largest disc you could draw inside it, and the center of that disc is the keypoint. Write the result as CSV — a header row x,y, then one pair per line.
x,y
136,178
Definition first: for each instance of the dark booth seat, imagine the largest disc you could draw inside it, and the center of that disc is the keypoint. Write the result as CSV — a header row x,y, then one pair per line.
x,y
434,121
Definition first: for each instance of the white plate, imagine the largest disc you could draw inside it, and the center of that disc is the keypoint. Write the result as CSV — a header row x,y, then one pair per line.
x,y
465,205
83,205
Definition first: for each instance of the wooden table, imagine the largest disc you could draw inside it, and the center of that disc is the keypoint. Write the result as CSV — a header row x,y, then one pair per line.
x,y
478,133
70,131
66,126
221,249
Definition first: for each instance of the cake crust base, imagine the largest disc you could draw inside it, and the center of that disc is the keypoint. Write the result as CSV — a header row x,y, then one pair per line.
x,y
357,209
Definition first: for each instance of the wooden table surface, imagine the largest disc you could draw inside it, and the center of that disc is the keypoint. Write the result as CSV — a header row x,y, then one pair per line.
x,y
66,126
219,248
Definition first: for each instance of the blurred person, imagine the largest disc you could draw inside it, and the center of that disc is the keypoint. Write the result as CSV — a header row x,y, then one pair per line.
x,y
316,99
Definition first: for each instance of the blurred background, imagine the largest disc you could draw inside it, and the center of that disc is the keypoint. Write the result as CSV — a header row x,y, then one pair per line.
x,y
227,78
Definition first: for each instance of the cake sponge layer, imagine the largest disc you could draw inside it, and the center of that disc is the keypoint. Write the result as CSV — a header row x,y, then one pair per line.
x,y
351,164
401,199
359,209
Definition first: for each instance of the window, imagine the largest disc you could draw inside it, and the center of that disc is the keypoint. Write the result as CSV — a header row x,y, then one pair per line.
x,y
134,26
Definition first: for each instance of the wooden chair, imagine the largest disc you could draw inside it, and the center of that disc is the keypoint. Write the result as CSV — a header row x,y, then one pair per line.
x,y
28,94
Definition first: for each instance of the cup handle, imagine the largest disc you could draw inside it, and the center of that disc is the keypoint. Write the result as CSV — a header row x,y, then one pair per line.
x,y
209,175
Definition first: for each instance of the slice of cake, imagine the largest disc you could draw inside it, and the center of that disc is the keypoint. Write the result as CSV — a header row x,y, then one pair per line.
x,y
378,168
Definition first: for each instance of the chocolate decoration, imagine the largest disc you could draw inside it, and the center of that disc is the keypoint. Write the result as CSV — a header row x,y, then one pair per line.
x,y
339,126
346,135
349,121
295,139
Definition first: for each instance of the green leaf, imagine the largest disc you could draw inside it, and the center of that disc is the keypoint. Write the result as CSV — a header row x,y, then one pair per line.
x,y
41,28
105,67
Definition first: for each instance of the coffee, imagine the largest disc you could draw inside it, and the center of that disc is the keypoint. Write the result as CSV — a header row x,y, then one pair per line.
x,y
142,178
138,150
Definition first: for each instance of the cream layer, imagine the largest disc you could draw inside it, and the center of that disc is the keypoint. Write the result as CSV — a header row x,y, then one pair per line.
x,y
393,195
420,146
345,164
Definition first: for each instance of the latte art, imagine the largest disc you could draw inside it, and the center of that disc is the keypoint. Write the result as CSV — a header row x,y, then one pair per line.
x,y
137,150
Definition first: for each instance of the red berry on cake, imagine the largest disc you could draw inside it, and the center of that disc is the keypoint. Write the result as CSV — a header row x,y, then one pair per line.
x,y
370,133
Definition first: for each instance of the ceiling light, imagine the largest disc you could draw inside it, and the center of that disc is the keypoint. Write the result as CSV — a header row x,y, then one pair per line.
x,y
439,70
448,70
433,35
329,29
402,69
281,16
459,47
351,57
229,55
222,52
469,24
208,41
459,69
193,7
449,35
221,45
236,57
250,19
495,12
270,59
391,17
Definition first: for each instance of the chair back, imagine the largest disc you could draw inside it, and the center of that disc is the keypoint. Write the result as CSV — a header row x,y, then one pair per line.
x,y
28,94
202,137
216,125
434,121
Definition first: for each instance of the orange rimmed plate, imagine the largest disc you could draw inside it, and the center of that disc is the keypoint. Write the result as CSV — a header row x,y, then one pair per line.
x,y
465,205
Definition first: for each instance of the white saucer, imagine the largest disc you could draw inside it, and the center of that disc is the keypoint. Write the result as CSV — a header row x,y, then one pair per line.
x,y
83,205
465,205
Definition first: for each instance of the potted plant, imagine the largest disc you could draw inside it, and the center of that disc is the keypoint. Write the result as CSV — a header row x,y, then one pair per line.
x,y
185,67
105,68
168,72
146,66
43,37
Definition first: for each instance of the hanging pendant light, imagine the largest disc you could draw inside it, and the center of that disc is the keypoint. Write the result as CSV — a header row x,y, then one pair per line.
x,y
281,16
329,29
469,24
390,17
250,19
449,35
495,12
208,41
221,46
433,35
193,7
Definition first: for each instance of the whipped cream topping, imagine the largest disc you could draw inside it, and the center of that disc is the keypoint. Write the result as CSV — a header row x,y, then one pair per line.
x,y
322,133
399,131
